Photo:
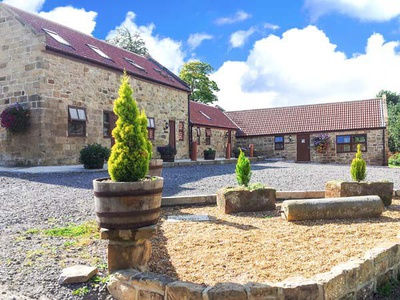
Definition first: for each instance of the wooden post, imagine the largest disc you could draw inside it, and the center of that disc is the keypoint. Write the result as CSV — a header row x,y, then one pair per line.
x,y
193,155
251,150
228,151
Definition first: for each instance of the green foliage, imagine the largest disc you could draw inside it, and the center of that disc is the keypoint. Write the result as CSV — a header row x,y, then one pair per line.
x,y
393,104
196,75
130,156
166,150
394,159
358,166
210,151
129,41
243,170
15,118
93,156
83,230
82,291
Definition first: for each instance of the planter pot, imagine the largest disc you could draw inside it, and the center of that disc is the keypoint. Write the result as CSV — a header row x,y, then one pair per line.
x,y
127,205
383,189
230,200
155,167
168,157
209,155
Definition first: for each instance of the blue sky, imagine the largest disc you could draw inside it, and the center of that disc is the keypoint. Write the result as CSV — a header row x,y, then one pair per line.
x,y
265,53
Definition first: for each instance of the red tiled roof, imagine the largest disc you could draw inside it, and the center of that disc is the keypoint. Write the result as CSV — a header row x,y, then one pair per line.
x,y
210,116
79,49
310,118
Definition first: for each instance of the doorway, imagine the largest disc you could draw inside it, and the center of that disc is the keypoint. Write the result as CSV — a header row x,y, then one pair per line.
x,y
303,147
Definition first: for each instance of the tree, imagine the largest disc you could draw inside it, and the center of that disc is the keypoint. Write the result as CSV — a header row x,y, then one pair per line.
x,y
129,41
196,75
393,103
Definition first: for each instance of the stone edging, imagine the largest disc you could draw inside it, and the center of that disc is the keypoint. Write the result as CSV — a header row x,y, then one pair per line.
x,y
212,198
355,279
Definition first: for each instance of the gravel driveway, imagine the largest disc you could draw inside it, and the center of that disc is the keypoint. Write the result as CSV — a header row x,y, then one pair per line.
x,y
31,262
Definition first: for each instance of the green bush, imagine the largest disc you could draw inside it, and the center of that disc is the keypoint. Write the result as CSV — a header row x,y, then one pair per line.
x,y
131,153
93,156
358,166
394,159
243,170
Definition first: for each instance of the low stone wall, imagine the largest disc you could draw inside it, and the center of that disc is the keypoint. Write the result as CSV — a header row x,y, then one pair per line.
x,y
355,279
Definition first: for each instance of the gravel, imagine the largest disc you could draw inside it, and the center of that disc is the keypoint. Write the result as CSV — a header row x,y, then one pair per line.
x,y
31,262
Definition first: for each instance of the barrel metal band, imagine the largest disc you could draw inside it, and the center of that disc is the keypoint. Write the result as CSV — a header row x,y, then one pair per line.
x,y
128,225
123,214
128,193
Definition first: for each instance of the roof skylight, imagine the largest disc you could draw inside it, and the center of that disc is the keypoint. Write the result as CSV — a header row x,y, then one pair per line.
x,y
134,64
205,115
55,36
99,52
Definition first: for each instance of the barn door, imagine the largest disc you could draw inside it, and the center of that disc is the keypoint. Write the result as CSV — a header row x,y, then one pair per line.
x,y
303,147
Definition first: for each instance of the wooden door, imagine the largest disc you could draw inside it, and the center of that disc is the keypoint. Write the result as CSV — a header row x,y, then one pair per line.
x,y
172,137
303,147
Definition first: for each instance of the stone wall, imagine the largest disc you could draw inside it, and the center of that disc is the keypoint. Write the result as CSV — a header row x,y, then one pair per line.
x,y
375,154
218,140
355,279
49,82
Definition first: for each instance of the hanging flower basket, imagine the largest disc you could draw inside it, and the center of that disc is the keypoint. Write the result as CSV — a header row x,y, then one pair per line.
x,y
15,118
321,143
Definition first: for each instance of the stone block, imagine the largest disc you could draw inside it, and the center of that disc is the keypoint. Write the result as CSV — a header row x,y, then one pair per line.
x,y
151,281
258,291
352,271
333,284
233,200
334,208
128,255
300,288
380,257
180,290
383,189
148,295
121,290
231,291
77,274
128,234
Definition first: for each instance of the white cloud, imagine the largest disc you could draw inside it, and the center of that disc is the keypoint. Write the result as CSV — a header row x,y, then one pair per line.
x,y
28,5
303,66
239,38
238,17
165,50
78,19
365,10
271,26
196,39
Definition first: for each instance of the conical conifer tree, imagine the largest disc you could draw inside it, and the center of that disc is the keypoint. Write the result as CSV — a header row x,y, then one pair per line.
x,y
130,155
358,166
243,169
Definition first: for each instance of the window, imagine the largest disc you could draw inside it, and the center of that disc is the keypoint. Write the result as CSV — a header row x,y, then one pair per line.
x,y
279,142
76,121
198,131
208,136
98,51
55,36
150,128
181,131
106,124
348,143
134,64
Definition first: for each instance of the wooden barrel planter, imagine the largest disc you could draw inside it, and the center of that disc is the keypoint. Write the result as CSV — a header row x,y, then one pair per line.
x,y
155,167
127,205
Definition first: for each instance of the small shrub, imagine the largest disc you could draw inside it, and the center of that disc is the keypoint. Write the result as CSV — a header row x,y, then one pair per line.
x,y
243,170
15,118
93,156
209,151
394,159
130,155
358,166
166,150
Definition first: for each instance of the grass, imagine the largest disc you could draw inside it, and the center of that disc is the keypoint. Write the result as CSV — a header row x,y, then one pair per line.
x,y
82,291
85,230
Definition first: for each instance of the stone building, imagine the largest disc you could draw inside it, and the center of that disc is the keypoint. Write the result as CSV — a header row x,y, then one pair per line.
x,y
210,128
291,132
69,81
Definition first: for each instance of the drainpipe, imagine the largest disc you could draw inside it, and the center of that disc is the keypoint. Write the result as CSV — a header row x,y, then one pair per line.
x,y
384,149
189,127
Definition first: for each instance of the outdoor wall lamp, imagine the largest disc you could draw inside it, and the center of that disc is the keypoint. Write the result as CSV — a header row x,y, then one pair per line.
x,y
226,134
290,138
166,126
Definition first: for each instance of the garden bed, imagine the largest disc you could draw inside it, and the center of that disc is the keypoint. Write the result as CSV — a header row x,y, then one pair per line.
x,y
260,247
